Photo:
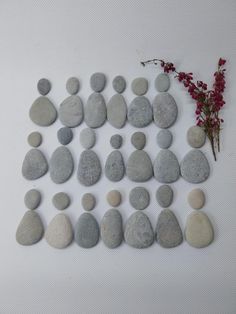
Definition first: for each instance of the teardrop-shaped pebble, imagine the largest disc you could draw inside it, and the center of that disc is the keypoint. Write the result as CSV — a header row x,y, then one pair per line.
x,y
199,232
140,112
139,166
43,112
165,110
30,229
111,228
117,111
86,231
34,165
168,231
138,231
61,165
59,233
95,111
71,112
89,169
114,167
195,167
166,167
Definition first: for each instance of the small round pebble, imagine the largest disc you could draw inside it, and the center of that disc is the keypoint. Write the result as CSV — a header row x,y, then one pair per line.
x,y
88,201
196,137
139,86
64,135
139,198
119,84
87,138
138,140
44,86
164,139
164,195
162,82
72,85
116,141
35,139
32,199
114,198
61,200
98,82
196,198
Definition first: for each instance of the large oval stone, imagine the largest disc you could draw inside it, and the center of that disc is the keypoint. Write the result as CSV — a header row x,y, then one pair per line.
x,y
43,112
89,169
140,112
117,111
114,167
139,166
95,111
34,165
86,231
71,112
112,229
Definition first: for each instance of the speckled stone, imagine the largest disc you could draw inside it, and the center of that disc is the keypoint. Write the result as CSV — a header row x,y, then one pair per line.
x,y
32,199
64,135
117,111
164,195
95,111
61,200
34,165
61,165
114,198
138,140
140,112
139,86
116,141
115,167
165,110
119,84
44,86
139,198
87,138
71,111
89,169
139,166
164,139
88,201
196,198
35,139
162,82
196,136
97,81
43,112
86,231
72,85
166,167
112,228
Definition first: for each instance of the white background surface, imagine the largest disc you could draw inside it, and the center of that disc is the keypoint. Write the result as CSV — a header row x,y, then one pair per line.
x,y
59,39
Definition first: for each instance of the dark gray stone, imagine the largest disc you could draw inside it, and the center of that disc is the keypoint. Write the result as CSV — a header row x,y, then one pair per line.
x,y
114,167
162,82
71,112
139,166
34,165
165,110
139,86
138,139
112,228
61,200
43,112
32,199
72,85
87,138
116,141
164,195
95,111
196,136
88,201
139,198
65,135
119,84
35,139
86,231
166,167
140,112
98,81
89,169
164,139
61,165
44,86
117,111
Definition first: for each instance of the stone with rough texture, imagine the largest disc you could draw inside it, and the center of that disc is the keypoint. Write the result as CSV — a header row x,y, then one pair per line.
x,y
112,228
117,111
59,233
71,111
164,195
199,231
139,166
196,136
115,167
195,167
30,229
88,201
35,139
65,135
138,231
87,138
86,231
97,81
114,198
72,85
162,82
140,112
32,199
165,110
61,165
95,111
34,165
116,141
61,200
168,232
166,167
119,84
44,86
43,112
139,198
138,139
196,198
139,86
89,169
164,139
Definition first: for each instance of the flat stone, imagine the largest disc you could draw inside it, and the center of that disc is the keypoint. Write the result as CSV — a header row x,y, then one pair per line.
x,y
32,199
89,169
87,138
139,166
71,112
119,84
116,141
166,167
61,200
30,229
138,139
196,136
95,111
115,167
139,86
112,228
164,139
59,233
140,112
88,201
168,232
196,198
34,165
195,167
44,86
72,85
162,82
114,198
43,112
139,198
86,231
199,231
117,111
164,195
61,165
138,231
65,135
97,81
35,139
165,110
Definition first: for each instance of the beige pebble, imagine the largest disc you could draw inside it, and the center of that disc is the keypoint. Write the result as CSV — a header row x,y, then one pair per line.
x,y
196,198
114,198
